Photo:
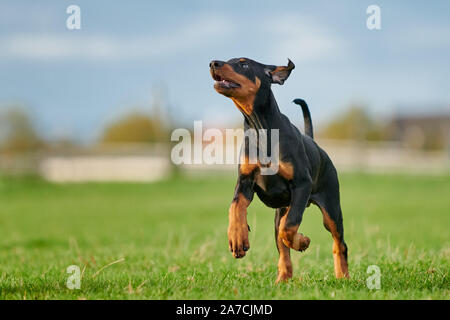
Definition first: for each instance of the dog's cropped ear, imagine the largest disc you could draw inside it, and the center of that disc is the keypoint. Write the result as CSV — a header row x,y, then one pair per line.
x,y
280,74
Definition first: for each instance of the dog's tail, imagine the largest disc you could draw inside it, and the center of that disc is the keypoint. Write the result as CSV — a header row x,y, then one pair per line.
x,y
306,117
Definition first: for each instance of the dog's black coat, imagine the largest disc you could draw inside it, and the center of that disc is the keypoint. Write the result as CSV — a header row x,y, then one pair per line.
x,y
313,178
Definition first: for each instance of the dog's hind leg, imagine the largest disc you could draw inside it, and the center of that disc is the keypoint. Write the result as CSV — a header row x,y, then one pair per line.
x,y
284,261
329,203
332,220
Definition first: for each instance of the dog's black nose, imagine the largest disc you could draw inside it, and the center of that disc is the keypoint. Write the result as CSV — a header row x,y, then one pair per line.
x,y
216,64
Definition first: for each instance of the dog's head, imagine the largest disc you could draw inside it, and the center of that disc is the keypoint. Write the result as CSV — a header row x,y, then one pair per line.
x,y
243,80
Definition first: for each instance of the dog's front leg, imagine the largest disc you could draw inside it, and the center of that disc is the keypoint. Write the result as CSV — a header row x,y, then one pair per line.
x,y
290,222
238,227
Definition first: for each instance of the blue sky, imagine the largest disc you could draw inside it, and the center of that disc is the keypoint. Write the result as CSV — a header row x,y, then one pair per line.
x,y
74,82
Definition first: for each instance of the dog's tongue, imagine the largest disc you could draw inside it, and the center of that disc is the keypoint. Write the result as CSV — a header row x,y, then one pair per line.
x,y
229,84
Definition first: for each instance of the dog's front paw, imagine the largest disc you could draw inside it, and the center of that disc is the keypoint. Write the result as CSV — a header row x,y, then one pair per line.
x,y
238,240
283,277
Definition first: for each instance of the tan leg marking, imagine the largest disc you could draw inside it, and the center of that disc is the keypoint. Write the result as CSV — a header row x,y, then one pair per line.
x,y
238,227
291,238
284,262
340,262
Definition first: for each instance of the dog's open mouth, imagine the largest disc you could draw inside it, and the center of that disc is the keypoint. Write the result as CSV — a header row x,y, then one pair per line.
x,y
224,83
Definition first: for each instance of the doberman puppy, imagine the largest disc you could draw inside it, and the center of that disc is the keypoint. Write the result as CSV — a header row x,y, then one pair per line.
x,y
305,172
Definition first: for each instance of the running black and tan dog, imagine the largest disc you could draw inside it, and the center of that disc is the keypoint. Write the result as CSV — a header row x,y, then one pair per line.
x,y
305,172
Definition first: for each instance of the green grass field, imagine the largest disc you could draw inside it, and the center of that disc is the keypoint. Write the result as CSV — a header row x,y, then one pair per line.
x,y
168,240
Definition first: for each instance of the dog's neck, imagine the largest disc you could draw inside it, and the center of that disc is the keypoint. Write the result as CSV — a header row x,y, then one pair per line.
x,y
265,114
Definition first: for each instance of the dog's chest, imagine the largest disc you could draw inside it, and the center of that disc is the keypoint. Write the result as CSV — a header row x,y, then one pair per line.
x,y
273,190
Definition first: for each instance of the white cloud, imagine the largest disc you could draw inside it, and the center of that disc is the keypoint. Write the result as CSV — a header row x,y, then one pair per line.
x,y
302,39
289,35
37,46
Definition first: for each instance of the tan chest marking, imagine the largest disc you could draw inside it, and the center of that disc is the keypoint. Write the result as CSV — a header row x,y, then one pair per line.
x,y
285,169
246,168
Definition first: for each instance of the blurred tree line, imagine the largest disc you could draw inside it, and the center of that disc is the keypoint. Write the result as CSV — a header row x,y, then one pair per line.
x,y
136,127
355,124
139,126
426,132
18,134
